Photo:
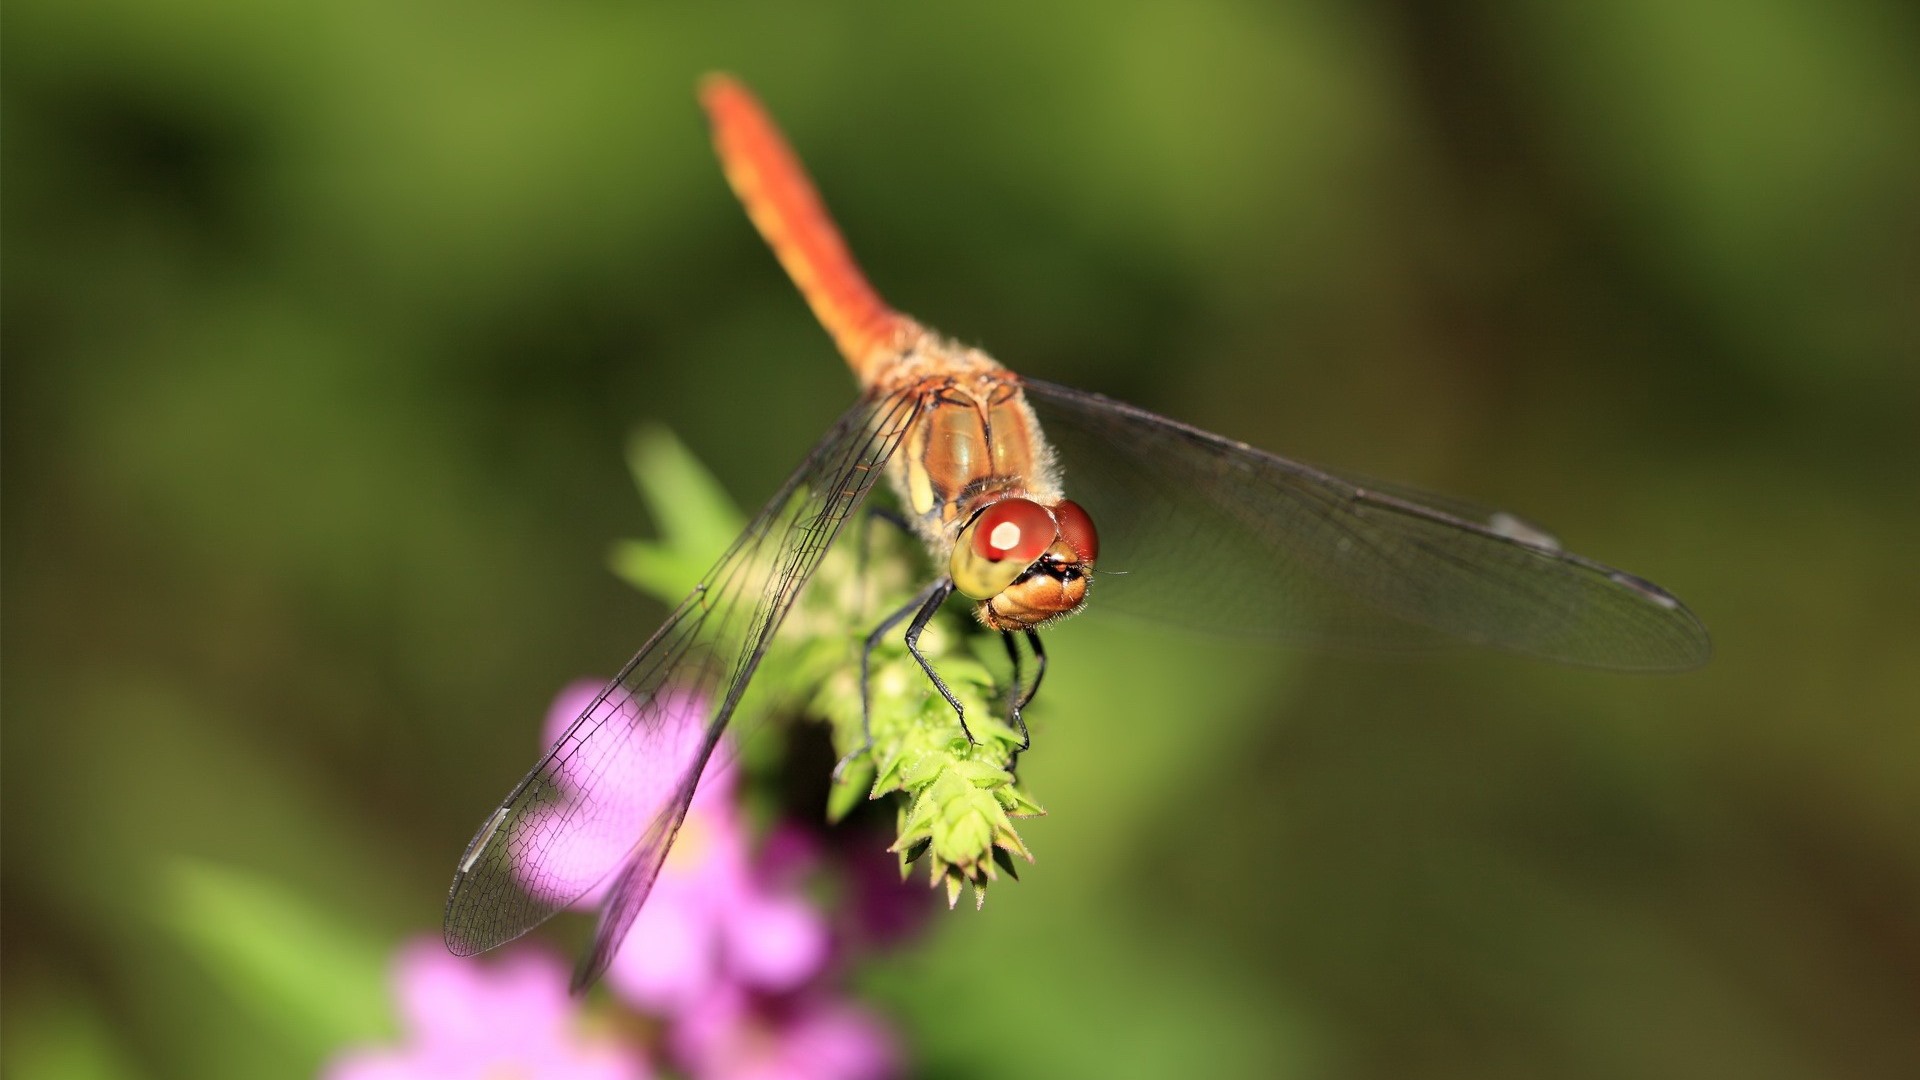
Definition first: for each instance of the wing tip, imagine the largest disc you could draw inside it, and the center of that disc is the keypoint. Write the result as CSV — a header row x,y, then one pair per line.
x,y
1694,645
592,965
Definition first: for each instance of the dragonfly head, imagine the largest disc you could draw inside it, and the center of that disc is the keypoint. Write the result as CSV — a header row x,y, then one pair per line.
x,y
1024,563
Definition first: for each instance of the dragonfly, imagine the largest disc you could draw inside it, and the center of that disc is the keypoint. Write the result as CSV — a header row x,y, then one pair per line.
x,y
1193,530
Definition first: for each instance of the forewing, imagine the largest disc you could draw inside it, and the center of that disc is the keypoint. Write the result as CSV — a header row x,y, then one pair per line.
x,y
604,804
1210,533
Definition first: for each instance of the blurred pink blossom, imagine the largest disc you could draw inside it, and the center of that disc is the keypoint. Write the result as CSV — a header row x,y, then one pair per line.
x,y
713,916
468,1020
881,909
613,787
730,1035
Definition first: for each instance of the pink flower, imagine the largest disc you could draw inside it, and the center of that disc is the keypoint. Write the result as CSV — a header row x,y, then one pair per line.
x,y
466,1020
712,916
731,1036
614,786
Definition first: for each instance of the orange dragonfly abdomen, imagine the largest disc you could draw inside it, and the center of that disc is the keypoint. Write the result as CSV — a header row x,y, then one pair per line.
x,y
975,440
766,175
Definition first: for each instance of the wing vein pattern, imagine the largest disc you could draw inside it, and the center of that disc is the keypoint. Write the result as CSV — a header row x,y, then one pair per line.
x,y
1213,534
602,808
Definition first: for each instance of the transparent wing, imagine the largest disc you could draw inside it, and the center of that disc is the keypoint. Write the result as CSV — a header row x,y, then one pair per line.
x,y
1206,532
604,804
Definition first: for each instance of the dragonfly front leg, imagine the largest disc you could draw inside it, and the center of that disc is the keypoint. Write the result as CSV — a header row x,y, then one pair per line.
x,y
925,596
1021,701
935,596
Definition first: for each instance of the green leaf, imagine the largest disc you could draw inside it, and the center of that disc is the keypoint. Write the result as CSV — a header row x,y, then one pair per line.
x,y
696,518
294,966
850,789
58,1035
653,569
1004,861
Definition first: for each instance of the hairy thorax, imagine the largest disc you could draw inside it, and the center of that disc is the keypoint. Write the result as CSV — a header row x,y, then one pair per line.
x,y
974,439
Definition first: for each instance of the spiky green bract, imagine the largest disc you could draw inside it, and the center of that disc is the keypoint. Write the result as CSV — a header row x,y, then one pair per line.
x,y
959,797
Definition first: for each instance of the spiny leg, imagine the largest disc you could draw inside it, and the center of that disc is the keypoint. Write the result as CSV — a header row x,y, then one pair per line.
x,y
1039,673
919,601
1016,699
935,597
866,668
1040,667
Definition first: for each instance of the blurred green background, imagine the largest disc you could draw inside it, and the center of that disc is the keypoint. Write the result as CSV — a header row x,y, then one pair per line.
x,y
325,325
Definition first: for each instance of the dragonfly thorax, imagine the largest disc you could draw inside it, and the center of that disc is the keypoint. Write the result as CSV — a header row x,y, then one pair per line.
x,y
972,442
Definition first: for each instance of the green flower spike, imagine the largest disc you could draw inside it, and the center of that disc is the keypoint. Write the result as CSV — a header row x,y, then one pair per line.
x,y
960,797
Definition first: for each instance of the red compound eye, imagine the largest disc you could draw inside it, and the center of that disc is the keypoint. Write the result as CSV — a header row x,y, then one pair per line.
x,y
1076,528
1013,528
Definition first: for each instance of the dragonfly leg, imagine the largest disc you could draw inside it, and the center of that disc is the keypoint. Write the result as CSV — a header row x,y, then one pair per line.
x,y
866,667
1018,701
1039,673
936,595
